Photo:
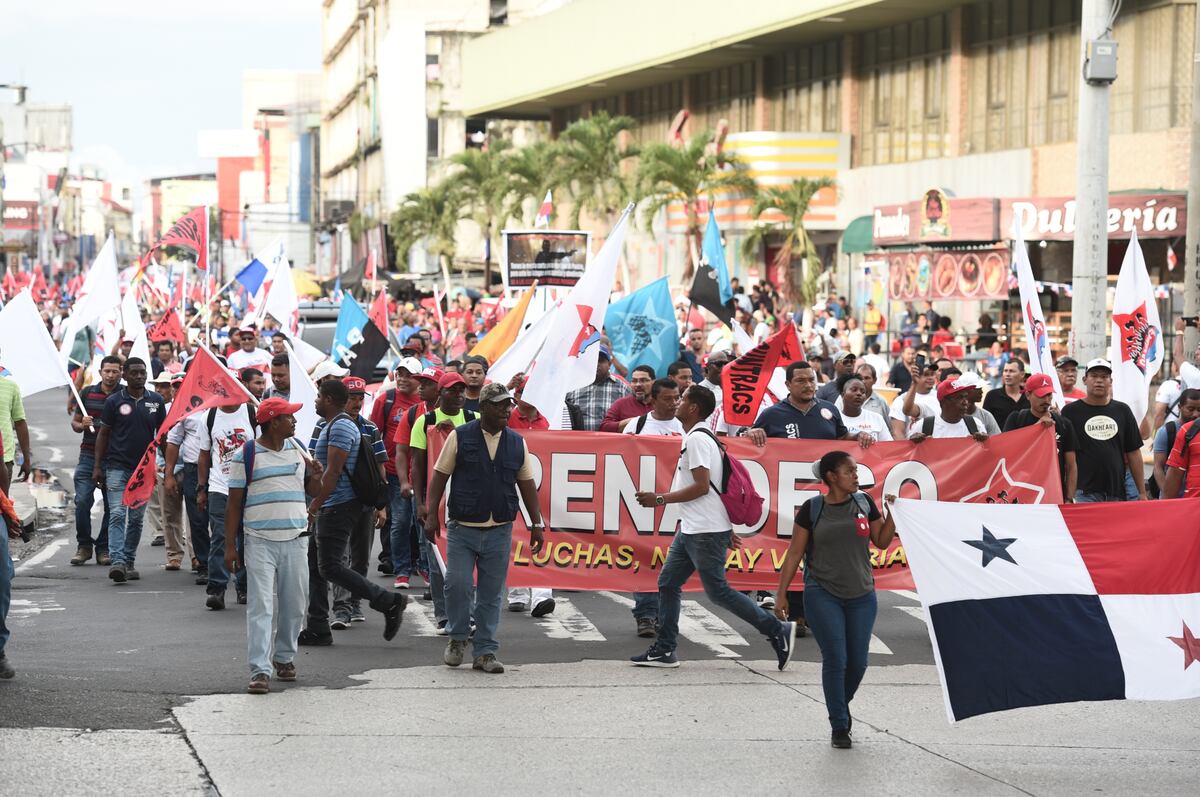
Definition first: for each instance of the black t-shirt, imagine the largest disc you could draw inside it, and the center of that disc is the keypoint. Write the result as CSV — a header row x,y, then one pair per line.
x,y
1105,434
1064,434
900,377
998,403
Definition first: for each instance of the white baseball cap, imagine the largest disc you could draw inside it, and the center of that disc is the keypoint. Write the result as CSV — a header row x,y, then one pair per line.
x,y
969,379
328,368
1099,362
410,364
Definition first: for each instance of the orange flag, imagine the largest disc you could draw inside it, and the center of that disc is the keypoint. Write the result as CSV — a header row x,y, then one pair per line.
x,y
504,334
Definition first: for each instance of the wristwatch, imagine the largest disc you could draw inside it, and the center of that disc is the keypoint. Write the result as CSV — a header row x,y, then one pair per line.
x,y
538,526
659,500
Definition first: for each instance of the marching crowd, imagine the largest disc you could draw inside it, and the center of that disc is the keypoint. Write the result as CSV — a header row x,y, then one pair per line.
x,y
291,524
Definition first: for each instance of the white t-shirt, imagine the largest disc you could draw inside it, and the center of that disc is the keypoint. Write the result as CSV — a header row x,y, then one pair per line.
x,y
706,514
870,422
716,421
927,403
186,435
943,429
259,358
1168,393
230,431
653,425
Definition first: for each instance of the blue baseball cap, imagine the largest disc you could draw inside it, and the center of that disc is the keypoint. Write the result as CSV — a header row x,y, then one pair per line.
x,y
605,353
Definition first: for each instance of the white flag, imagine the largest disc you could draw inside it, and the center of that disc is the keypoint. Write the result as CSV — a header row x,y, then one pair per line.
x,y
568,358
99,295
1137,339
304,393
26,350
517,358
281,302
1037,343
135,329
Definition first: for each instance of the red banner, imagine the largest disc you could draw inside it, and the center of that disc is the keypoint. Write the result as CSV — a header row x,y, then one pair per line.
x,y
601,538
191,230
168,328
744,381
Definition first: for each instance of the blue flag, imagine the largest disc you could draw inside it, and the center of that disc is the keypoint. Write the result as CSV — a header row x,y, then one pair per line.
x,y
349,332
642,328
714,254
251,276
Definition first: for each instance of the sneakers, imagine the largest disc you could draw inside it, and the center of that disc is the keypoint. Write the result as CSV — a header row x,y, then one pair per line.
x,y
6,669
393,617
173,564
656,657
117,573
83,555
158,542
284,672
427,595
455,649
313,639
215,601
543,607
441,628
841,740
241,597
488,663
103,559
424,574
341,620
202,578
646,628
517,607
260,684
356,614
386,568
766,600
784,643
131,574
195,565
401,582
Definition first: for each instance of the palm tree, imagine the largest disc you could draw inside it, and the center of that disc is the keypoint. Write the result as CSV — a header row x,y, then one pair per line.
x,y
669,174
483,182
532,171
431,215
591,159
792,201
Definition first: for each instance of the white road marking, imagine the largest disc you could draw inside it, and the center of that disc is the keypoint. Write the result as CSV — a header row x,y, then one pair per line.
x,y
21,608
916,611
907,593
702,626
150,592
55,453
567,622
420,618
38,433
878,646
43,554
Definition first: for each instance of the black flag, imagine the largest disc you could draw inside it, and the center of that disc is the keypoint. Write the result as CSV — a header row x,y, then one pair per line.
x,y
707,294
368,347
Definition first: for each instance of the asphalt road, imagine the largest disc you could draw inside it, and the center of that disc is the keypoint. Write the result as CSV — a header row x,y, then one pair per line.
x,y
91,654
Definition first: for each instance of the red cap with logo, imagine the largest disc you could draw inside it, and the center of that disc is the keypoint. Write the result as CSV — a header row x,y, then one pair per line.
x,y
1039,385
432,374
948,388
450,379
274,407
355,384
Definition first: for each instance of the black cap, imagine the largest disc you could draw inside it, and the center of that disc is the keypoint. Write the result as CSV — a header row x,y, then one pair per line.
x,y
1065,360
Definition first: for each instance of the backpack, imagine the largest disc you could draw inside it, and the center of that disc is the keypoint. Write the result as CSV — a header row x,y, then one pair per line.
x,y
927,425
368,486
742,502
431,418
641,423
817,506
211,419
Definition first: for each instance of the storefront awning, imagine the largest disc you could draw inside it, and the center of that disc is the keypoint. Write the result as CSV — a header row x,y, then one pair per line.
x,y
857,237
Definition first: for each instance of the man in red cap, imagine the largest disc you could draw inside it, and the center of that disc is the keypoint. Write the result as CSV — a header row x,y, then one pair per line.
x,y
429,432
1039,389
953,420
386,413
524,416
406,532
268,477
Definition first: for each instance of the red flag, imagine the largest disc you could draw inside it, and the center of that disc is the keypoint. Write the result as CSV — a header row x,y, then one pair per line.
x,y
370,268
191,231
379,313
9,284
168,328
744,380
206,385
38,285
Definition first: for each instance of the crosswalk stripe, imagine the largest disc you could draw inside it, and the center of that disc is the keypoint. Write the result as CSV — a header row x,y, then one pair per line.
x,y
916,611
878,646
698,625
907,593
420,617
567,622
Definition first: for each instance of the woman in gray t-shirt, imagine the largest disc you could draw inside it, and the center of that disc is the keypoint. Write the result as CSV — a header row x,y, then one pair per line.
x,y
839,586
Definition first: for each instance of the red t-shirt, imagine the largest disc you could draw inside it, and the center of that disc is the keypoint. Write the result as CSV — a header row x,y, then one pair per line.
x,y
1074,395
1180,457
941,336
387,426
518,421
404,431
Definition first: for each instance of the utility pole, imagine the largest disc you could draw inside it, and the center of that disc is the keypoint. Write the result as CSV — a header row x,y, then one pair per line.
x,y
1191,283
1089,265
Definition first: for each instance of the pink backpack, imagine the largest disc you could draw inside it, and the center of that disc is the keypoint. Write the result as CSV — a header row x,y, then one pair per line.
x,y
742,502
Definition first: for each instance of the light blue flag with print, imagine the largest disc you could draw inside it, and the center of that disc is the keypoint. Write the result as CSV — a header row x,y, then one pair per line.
x,y
351,320
642,328
714,254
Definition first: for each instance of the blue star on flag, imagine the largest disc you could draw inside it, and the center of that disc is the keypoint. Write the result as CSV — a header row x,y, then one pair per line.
x,y
992,547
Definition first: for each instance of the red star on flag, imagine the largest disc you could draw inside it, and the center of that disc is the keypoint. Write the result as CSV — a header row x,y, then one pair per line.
x,y
1189,644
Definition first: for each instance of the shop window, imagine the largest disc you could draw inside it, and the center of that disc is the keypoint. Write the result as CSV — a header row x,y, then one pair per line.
x,y
432,137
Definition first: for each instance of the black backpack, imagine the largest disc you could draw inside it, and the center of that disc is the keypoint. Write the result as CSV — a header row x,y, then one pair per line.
x,y
928,422
368,485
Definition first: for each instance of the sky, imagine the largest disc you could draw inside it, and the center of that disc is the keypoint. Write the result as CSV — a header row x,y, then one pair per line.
x,y
144,76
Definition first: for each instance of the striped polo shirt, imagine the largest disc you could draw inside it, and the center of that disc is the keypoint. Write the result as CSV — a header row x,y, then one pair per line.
x,y
93,404
275,507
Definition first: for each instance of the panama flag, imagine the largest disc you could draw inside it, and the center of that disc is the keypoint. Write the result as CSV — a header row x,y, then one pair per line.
x,y
544,213
1037,343
568,358
1137,339
1029,605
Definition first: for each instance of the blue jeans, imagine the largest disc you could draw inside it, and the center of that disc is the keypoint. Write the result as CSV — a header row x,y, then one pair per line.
x,y
437,582
401,531
842,628
7,574
85,499
197,517
124,523
218,576
703,553
645,605
1131,493
278,582
1096,498
479,555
